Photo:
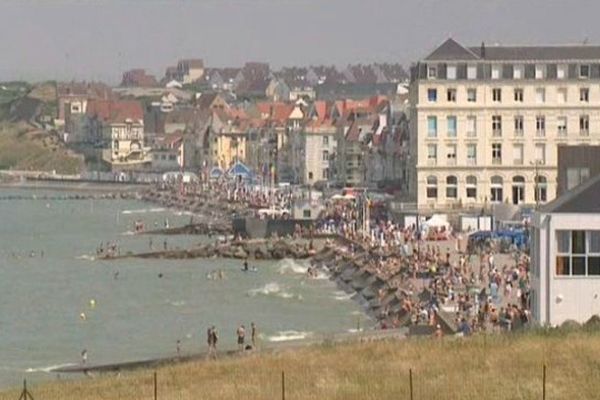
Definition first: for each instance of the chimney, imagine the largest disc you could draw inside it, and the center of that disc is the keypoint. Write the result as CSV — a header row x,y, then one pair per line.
x,y
482,50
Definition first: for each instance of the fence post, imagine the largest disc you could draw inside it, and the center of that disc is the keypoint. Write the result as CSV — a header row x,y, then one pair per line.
x,y
544,383
410,383
155,387
282,385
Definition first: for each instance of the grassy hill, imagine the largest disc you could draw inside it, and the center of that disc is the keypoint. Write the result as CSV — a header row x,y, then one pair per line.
x,y
491,368
25,148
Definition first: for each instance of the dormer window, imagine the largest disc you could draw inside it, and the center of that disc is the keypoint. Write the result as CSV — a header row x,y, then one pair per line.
x,y
584,71
540,71
451,72
472,72
431,72
496,70
518,72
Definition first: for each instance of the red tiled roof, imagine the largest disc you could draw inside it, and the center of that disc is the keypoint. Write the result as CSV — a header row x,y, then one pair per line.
x,y
115,110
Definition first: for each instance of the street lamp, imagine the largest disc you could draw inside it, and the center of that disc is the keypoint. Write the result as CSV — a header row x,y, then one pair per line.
x,y
536,165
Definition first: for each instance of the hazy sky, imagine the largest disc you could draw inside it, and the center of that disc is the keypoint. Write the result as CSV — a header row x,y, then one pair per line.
x,y
99,39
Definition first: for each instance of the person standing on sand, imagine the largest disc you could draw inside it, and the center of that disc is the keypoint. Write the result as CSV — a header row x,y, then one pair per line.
x,y
212,339
84,356
253,333
241,337
178,347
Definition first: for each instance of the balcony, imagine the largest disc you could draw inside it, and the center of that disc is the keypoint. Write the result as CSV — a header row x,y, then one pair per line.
x,y
496,161
497,132
471,161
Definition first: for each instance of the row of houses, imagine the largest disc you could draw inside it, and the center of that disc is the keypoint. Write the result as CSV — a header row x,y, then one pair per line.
x,y
257,80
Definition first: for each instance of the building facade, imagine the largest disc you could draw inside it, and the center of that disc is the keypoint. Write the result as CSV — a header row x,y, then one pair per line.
x,y
486,121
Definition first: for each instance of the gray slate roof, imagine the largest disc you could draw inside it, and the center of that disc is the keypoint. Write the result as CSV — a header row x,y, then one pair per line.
x,y
585,198
451,50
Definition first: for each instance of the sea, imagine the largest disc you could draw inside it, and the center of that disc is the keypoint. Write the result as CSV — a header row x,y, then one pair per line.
x,y
57,299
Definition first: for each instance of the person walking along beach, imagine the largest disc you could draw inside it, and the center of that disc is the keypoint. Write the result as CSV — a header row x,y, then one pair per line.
x,y
241,337
212,339
253,334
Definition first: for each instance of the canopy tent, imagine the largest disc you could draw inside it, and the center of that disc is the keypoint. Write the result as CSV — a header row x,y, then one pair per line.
x,y
436,221
186,176
216,173
241,170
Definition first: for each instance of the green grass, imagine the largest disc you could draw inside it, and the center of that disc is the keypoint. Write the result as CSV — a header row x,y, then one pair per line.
x,y
494,367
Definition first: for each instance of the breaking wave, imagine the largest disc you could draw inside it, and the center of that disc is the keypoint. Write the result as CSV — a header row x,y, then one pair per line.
x,y
291,266
283,336
86,257
50,368
341,295
273,289
143,210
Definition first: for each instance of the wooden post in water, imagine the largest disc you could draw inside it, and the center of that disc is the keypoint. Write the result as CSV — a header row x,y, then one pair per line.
x,y
410,382
544,383
282,385
155,387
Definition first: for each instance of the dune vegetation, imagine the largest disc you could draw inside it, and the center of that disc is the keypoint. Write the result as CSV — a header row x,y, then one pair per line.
x,y
483,367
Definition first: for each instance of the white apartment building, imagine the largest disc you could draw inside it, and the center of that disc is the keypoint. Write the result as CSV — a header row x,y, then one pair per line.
x,y
320,146
486,121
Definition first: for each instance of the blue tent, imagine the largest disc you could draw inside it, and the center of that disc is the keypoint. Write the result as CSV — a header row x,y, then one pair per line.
x,y
215,173
241,170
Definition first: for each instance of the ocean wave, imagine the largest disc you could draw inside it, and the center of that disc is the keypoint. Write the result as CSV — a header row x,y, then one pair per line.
x,y
289,265
341,295
143,210
283,336
86,257
49,368
273,289
179,303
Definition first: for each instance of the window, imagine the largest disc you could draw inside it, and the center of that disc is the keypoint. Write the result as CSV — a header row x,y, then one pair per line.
x,y
541,192
584,95
325,155
451,155
325,140
451,187
310,175
562,126
577,253
325,173
431,72
471,95
497,125
496,189
432,95
540,126
518,189
584,71
432,126
471,186
497,153
519,95
540,71
561,95
584,125
471,126
451,122
496,70
518,71
432,153
540,95
518,154
306,213
497,94
431,187
451,95
561,71
576,176
451,72
471,72
471,154
540,153
519,125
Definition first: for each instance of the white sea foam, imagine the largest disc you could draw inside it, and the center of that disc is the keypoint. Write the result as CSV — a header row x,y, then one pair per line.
x,y
143,210
283,336
273,289
86,257
341,295
291,266
49,368
179,303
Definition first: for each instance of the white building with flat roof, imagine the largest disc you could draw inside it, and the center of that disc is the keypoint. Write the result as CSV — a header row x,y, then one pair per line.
x,y
565,257
486,121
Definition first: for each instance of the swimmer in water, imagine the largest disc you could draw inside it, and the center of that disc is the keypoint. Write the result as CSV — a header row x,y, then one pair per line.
x,y
160,275
245,265
116,275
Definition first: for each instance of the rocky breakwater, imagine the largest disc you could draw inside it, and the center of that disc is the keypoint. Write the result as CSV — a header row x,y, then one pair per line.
x,y
380,295
240,249
201,228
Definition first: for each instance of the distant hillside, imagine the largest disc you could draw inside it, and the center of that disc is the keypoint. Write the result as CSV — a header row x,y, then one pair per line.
x,y
23,147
